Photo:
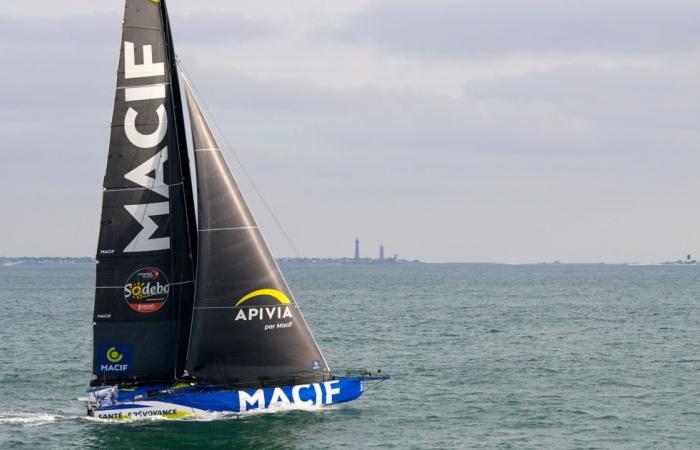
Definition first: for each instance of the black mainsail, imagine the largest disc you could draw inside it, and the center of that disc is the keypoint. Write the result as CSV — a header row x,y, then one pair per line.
x,y
238,323
145,271
246,327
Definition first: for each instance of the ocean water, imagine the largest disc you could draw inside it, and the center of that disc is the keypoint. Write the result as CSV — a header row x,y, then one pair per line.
x,y
483,356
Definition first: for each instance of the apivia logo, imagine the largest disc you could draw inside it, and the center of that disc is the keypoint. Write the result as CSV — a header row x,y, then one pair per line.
x,y
277,295
272,308
114,358
266,311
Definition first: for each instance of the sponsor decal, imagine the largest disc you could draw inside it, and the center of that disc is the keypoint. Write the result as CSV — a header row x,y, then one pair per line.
x,y
149,79
143,413
315,394
280,296
146,290
114,358
315,366
274,316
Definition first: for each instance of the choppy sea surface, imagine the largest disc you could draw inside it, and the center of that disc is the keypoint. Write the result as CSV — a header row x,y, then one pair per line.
x,y
483,356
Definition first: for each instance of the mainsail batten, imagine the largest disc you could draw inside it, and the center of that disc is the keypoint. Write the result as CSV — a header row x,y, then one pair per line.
x,y
145,274
266,340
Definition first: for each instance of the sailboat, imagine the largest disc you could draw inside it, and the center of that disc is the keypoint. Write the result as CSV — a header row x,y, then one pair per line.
x,y
192,314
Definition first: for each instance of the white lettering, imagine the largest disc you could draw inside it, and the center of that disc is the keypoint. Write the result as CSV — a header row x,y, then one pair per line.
x,y
279,398
151,92
246,400
147,69
114,367
317,390
142,213
297,397
331,391
155,164
266,313
145,140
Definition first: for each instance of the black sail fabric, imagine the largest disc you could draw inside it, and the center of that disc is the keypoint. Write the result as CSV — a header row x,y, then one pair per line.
x,y
246,326
144,278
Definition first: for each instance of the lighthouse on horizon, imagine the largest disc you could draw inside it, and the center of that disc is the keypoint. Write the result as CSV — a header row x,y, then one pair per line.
x,y
382,259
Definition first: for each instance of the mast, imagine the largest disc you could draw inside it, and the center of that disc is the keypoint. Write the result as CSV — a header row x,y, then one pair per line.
x,y
185,312
247,330
145,270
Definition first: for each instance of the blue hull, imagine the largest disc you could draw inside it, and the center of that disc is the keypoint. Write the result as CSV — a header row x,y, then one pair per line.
x,y
181,401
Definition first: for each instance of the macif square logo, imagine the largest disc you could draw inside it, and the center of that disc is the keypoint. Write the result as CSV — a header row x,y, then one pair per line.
x,y
114,358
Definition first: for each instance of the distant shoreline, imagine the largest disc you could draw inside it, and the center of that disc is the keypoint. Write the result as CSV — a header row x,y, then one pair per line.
x,y
8,261
45,260
56,260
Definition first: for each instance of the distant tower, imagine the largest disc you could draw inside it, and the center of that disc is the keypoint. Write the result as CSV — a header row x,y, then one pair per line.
x,y
357,249
689,258
381,253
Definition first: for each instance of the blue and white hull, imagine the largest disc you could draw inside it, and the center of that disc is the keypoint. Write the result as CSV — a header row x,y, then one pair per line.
x,y
184,400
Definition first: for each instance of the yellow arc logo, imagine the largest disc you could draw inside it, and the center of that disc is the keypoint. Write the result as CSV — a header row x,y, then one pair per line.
x,y
274,293
113,355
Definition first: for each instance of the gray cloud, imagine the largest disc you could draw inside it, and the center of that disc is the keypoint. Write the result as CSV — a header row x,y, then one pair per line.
x,y
479,27
412,125
219,27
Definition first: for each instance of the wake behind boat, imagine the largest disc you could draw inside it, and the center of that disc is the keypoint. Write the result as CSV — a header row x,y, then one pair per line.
x,y
192,314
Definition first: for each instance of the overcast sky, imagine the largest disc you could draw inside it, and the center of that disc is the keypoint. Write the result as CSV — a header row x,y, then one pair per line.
x,y
488,130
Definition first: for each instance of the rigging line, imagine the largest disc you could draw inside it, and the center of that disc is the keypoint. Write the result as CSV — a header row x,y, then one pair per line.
x,y
374,385
231,150
238,161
